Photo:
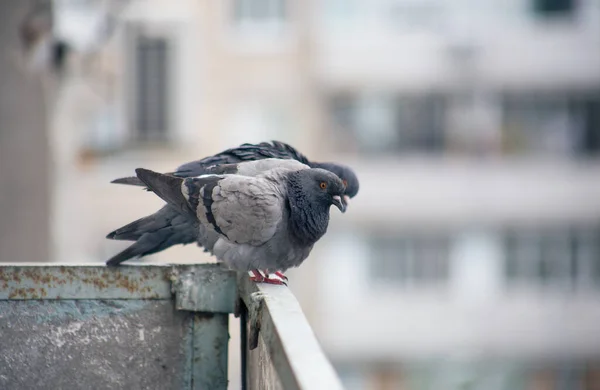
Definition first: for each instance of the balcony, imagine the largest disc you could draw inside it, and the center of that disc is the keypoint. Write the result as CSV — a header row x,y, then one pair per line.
x,y
151,327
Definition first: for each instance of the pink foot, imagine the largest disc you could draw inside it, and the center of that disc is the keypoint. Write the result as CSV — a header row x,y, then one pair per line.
x,y
274,281
258,277
282,276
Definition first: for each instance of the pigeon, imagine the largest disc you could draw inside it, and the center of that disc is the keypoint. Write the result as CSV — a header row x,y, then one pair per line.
x,y
168,227
268,222
251,152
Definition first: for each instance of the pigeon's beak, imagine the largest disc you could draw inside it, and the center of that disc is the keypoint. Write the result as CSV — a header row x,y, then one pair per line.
x,y
339,203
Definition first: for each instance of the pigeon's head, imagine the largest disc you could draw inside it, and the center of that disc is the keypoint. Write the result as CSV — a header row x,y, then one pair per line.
x,y
348,178
324,187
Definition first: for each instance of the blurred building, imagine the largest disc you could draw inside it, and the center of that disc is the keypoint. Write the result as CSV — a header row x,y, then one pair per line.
x,y
474,261
25,103
471,256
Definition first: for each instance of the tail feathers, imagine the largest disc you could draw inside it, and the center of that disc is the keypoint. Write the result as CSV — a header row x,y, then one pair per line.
x,y
168,188
131,180
135,181
165,217
173,224
130,232
131,252
153,242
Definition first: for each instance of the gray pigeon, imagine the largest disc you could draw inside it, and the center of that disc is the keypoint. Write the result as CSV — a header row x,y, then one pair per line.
x,y
268,222
168,227
252,152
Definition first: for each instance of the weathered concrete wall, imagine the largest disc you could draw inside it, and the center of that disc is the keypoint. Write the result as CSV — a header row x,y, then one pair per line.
x,y
129,327
88,344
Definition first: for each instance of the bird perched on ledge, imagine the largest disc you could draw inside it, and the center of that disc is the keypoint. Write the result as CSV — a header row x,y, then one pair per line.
x,y
268,222
253,152
168,227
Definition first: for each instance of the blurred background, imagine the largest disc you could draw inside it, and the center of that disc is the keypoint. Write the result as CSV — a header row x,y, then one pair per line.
x,y
470,258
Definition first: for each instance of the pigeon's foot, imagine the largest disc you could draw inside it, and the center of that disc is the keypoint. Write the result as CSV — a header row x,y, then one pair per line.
x,y
258,277
274,281
282,276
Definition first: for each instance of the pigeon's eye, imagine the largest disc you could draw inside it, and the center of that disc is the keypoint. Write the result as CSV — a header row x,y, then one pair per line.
x,y
323,185
345,183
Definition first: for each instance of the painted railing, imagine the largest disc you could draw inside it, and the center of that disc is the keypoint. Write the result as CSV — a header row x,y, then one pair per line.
x,y
150,327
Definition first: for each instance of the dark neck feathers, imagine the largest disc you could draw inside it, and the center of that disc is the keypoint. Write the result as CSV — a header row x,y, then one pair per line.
x,y
309,217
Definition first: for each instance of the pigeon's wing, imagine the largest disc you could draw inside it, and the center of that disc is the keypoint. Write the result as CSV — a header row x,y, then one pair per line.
x,y
289,150
243,209
244,152
259,167
172,189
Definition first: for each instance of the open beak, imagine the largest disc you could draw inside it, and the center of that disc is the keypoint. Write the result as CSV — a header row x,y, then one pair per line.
x,y
339,203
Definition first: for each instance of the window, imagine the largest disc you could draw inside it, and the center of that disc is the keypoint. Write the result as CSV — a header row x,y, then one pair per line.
x,y
552,125
568,258
376,123
151,91
409,261
259,13
553,7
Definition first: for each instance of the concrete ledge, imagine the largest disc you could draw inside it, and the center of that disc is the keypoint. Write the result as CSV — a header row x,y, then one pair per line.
x,y
283,351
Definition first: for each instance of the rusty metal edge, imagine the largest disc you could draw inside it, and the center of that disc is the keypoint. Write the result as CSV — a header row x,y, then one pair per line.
x,y
91,281
276,315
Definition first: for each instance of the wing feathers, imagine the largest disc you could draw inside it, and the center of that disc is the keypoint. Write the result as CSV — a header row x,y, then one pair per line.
x,y
207,201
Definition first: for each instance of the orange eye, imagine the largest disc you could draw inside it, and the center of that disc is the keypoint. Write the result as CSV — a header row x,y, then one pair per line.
x,y
345,183
323,185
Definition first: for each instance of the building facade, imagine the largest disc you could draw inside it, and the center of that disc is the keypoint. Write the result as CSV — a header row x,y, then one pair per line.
x,y
470,257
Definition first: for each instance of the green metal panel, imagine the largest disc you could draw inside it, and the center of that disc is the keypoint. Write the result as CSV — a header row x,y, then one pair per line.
x,y
206,288
211,332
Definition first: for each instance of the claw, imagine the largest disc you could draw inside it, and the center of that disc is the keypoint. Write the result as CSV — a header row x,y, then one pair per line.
x,y
282,276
